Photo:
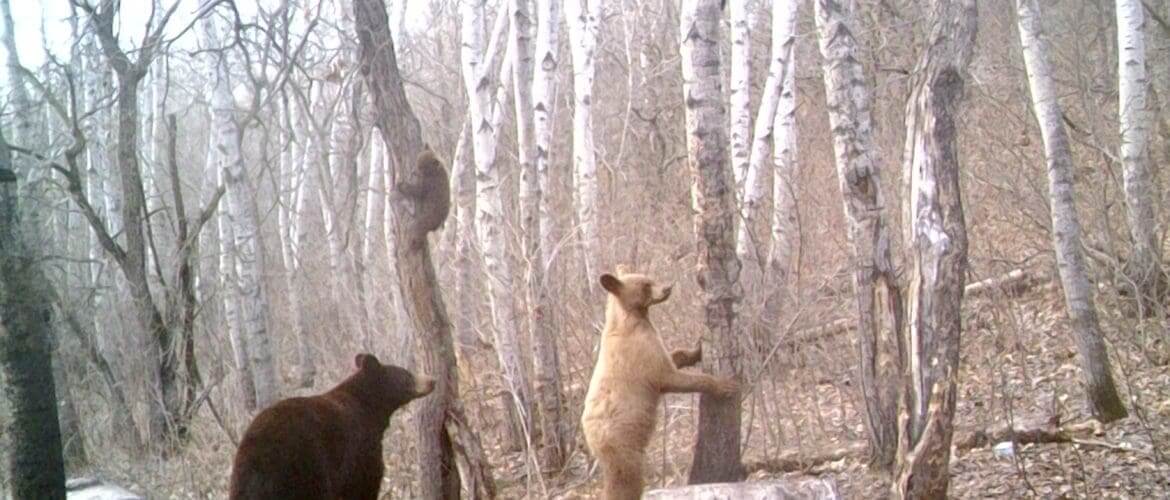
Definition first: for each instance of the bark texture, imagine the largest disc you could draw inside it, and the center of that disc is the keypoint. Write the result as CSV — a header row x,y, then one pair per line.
x,y
537,222
1079,302
1144,267
33,461
582,18
938,252
717,450
876,292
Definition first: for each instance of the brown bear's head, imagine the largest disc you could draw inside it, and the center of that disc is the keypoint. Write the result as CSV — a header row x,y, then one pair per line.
x,y
389,387
634,292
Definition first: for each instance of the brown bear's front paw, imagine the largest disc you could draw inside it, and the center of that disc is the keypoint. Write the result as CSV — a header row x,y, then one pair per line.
x,y
726,387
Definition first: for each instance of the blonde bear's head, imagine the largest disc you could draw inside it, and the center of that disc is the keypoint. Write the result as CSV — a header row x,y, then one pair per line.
x,y
634,292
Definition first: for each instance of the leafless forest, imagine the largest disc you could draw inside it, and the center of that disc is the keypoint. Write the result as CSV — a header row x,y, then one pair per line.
x,y
920,233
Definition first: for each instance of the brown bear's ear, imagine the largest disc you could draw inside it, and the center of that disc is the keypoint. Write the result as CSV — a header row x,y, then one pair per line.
x,y
365,360
610,283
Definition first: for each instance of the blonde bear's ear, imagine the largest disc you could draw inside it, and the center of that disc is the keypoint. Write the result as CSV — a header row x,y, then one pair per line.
x,y
623,269
611,284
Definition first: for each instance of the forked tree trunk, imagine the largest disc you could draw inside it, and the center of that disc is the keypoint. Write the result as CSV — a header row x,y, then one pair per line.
x,y
1144,267
490,222
581,16
422,300
1066,226
165,401
717,451
781,263
772,134
937,252
538,219
34,467
878,308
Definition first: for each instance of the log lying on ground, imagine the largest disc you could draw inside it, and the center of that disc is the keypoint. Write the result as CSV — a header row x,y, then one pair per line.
x,y
88,488
798,462
784,489
1025,433
1011,284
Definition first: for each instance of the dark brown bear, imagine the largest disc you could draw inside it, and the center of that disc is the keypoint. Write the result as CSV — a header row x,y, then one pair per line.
x,y
431,194
327,446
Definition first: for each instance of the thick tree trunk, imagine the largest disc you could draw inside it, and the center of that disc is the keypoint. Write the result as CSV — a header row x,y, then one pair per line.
x,y
33,463
422,300
1102,395
937,252
582,17
717,451
1144,265
554,430
878,308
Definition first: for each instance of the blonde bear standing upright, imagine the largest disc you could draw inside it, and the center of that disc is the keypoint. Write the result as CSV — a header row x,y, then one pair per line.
x,y
633,370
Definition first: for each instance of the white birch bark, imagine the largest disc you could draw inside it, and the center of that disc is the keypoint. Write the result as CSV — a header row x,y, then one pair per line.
x,y
490,224
293,238
1144,265
740,89
860,182
785,231
582,17
537,217
1066,226
748,246
244,219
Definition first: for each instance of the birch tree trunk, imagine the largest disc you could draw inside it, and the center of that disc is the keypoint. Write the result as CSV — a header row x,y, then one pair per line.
x,y
717,450
244,219
438,415
781,262
938,252
489,220
741,99
1144,265
538,220
467,305
294,236
33,462
1104,402
878,307
777,96
581,16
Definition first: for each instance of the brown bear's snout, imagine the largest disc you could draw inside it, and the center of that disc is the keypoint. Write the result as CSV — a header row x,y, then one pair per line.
x,y
423,385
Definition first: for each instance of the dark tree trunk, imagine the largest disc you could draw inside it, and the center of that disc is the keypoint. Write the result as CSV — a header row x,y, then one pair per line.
x,y
34,462
422,299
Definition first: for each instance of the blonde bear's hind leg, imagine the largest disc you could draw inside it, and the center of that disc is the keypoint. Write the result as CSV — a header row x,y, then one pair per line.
x,y
622,473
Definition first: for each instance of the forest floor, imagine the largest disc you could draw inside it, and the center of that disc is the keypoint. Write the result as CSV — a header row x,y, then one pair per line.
x,y
1018,365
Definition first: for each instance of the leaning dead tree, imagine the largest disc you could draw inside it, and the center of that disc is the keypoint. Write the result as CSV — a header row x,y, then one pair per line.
x,y
440,424
1104,402
937,252
717,451
878,298
33,463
